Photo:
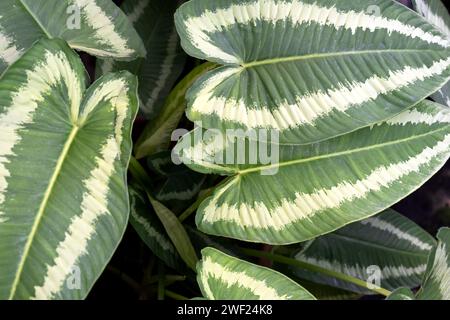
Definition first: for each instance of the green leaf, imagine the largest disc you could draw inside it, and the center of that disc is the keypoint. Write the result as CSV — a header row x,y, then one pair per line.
x,y
157,134
311,69
176,232
150,229
63,158
401,294
97,27
157,73
299,192
223,277
202,240
324,292
180,183
436,284
388,246
435,12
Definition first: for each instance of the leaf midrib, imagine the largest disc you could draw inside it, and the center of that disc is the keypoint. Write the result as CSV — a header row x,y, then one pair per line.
x,y
48,192
47,33
331,54
337,154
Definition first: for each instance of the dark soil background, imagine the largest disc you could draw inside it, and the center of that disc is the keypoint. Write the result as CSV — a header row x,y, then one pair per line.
x,y
429,206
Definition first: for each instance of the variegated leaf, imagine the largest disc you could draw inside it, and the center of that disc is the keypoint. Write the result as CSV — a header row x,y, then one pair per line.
x,y
401,294
324,292
435,12
387,247
154,22
291,193
201,240
436,284
150,229
223,277
180,183
63,158
95,26
158,132
311,69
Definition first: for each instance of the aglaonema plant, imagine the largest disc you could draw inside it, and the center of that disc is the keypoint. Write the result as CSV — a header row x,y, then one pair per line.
x,y
311,121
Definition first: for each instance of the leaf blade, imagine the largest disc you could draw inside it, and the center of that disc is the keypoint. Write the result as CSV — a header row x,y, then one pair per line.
x,y
95,26
224,277
271,79
65,142
387,245
436,284
302,193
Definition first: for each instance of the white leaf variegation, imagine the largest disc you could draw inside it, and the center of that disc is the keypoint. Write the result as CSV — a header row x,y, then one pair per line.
x,y
158,71
301,191
95,26
436,284
387,246
223,277
435,12
311,69
63,159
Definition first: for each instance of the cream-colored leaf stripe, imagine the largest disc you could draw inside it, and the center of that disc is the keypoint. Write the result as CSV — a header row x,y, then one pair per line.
x,y
258,287
389,244
104,30
94,26
25,100
306,205
309,107
436,283
386,272
442,277
116,92
77,182
297,13
224,277
423,7
82,227
8,51
384,63
303,206
399,233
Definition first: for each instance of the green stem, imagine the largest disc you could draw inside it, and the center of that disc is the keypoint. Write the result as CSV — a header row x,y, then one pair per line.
x,y
313,268
175,296
161,282
200,199
195,205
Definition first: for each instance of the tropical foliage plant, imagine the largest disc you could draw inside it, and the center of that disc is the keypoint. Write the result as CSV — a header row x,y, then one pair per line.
x,y
308,120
